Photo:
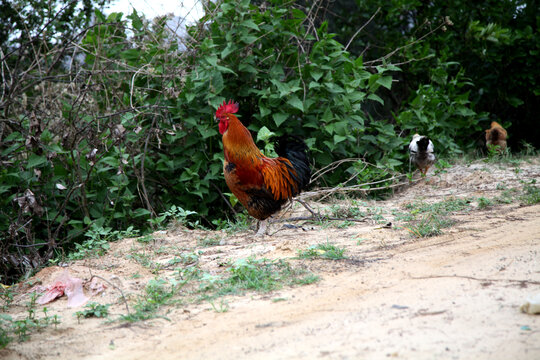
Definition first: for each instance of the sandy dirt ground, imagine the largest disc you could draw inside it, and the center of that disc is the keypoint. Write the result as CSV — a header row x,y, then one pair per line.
x,y
452,296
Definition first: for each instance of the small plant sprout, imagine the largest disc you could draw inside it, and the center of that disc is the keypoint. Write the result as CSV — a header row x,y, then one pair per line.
x,y
93,310
222,307
484,202
359,240
322,251
531,194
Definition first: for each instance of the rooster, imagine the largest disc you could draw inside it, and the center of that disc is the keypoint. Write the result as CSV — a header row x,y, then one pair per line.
x,y
496,136
261,184
421,153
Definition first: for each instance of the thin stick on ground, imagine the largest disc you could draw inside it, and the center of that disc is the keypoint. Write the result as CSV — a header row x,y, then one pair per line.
x,y
316,215
114,286
476,279
319,218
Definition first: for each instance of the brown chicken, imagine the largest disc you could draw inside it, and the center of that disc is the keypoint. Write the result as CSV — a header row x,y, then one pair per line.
x,y
260,183
496,135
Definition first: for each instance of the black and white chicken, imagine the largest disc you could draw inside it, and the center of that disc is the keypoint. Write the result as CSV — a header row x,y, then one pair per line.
x,y
421,153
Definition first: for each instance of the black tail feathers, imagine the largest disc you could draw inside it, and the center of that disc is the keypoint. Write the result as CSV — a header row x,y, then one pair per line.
x,y
422,144
295,150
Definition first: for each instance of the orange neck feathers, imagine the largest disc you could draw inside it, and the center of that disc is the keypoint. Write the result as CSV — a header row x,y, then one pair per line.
x,y
238,137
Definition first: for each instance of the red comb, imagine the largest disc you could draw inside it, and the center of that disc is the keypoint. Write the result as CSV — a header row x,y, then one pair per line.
x,y
225,108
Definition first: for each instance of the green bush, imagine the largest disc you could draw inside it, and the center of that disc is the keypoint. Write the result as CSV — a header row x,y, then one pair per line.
x,y
127,136
441,109
495,43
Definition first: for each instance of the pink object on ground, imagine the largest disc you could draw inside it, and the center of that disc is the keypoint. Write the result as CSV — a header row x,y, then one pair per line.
x,y
65,284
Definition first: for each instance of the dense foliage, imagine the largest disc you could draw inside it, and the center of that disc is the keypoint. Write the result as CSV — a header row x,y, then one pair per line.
x,y
115,129
496,44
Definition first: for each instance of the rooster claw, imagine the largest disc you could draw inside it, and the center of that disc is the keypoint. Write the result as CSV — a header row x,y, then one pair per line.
x,y
262,228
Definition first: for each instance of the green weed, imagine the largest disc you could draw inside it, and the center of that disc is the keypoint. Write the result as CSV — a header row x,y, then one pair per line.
x,y
344,212
531,194
322,251
508,196
250,274
176,214
429,225
359,240
23,328
242,223
209,241
222,307
441,165
484,203
495,153
425,220
143,259
145,239
93,310
159,292
6,297
98,240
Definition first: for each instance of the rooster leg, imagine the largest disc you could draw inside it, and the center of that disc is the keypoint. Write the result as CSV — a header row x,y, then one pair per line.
x,y
262,228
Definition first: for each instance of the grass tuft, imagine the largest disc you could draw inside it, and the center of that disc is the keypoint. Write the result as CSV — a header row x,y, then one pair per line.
x,y
322,251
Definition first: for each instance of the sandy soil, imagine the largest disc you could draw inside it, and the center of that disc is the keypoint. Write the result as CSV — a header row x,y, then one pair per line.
x,y
453,296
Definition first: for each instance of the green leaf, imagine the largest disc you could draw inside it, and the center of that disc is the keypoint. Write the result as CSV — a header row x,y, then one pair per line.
x,y
316,74
207,132
356,96
264,134
279,118
250,24
225,69
385,81
295,102
248,39
264,111
140,212
217,85
136,21
464,111
212,60
229,49
376,98
35,161
515,101
247,68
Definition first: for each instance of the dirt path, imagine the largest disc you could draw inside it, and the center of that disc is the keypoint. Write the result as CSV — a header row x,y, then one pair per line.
x,y
453,296
403,307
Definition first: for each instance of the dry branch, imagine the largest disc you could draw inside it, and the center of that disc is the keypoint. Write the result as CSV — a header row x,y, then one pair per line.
x,y
486,280
114,286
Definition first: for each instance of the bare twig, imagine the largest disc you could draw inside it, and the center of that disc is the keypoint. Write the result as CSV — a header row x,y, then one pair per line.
x,y
114,286
319,218
391,53
331,167
325,192
361,28
316,215
132,85
224,198
476,279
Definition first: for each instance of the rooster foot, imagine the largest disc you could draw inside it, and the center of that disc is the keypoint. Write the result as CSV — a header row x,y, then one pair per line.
x,y
262,224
